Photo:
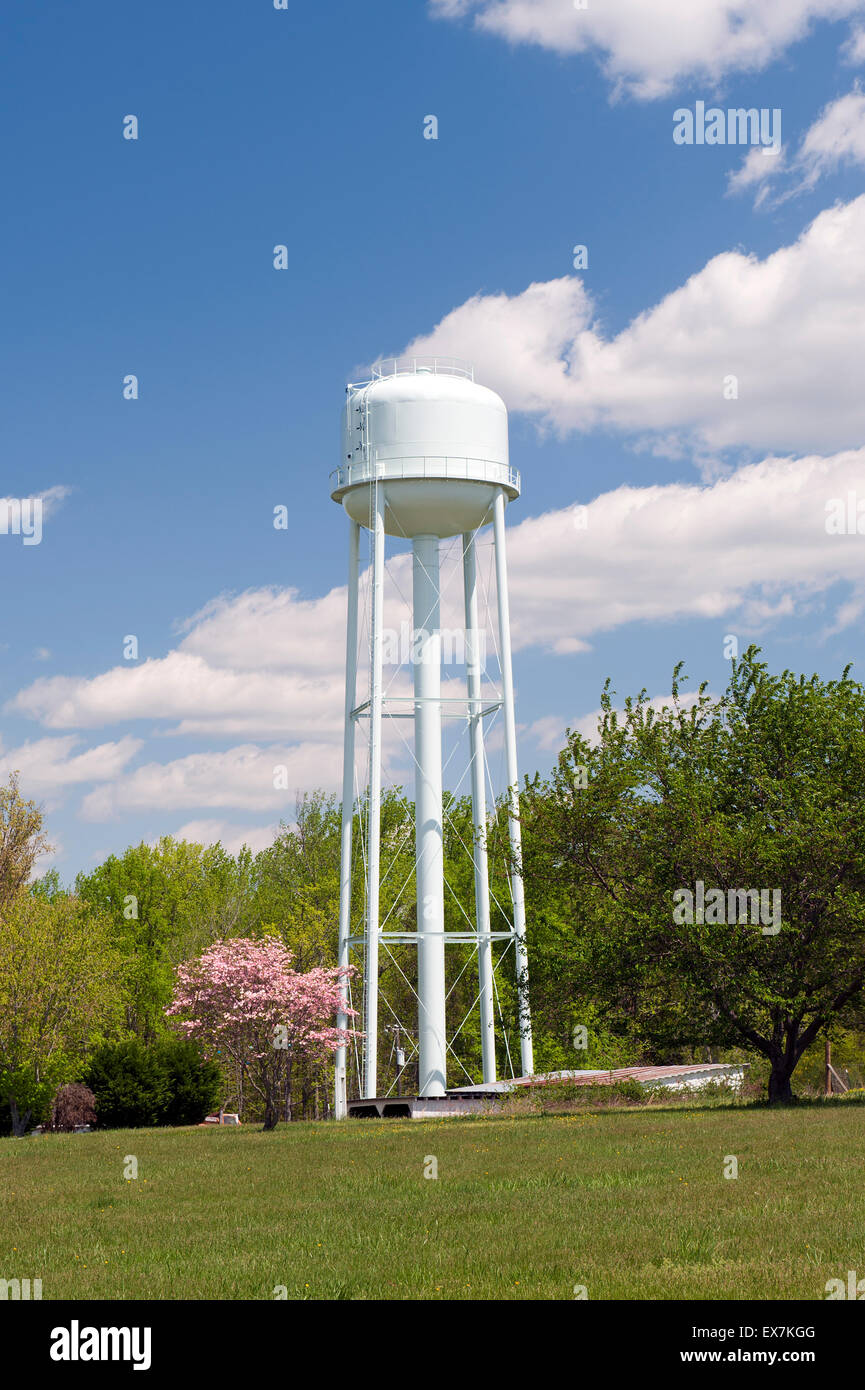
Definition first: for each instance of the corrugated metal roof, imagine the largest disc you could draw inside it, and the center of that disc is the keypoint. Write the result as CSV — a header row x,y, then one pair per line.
x,y
645,1075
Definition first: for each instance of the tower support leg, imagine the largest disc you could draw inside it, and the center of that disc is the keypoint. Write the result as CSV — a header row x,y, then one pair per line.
x,y
479,810
517,890
429,857
340,1079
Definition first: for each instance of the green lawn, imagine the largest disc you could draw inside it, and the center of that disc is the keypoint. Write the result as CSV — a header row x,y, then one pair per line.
x,y
629,1203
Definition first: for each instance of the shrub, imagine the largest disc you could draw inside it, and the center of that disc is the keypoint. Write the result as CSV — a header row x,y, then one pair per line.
x,y
556,1097
72,1105
166,1083
855,1096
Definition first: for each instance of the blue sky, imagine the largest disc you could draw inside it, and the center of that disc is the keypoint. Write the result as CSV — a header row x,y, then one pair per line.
x,y
304,127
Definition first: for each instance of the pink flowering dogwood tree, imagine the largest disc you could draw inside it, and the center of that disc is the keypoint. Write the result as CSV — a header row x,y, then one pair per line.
x,y
242,998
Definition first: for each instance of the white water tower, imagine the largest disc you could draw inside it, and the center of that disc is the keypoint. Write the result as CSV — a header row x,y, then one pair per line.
x,y
425,458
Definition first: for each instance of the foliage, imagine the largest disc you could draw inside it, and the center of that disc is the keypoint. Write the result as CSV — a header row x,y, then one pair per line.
x,y
21,840
243,999
60,987
73,1105
563,1096
763,788
168,1082
166,901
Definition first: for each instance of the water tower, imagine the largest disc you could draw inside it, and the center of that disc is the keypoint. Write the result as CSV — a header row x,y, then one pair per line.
x,y
424,459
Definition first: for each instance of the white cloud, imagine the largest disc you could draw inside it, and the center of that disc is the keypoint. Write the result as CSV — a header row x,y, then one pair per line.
x,y
836,139
757,171
789,329
18,515
51,498
204,699
241,778
261,664
645,48
751,548
267,630
49,765
231,837
753,545
548,733
854,50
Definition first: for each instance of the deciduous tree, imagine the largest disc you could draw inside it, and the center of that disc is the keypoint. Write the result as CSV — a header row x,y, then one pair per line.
x,y
60,986
242,998
761,789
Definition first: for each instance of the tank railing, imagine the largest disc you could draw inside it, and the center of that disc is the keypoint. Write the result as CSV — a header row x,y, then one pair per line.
x,y
432,466
439,366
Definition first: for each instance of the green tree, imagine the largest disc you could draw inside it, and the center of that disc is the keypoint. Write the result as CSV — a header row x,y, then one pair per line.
x,y
297,883
168,1083
762,789
60,987
167,902
21,840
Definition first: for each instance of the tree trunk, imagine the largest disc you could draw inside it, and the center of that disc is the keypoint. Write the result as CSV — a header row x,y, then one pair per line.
x,y
780,1090
271,1115
19,1122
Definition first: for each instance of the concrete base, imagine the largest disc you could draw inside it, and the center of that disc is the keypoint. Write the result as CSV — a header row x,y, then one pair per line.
x,y
482,1099
417,1107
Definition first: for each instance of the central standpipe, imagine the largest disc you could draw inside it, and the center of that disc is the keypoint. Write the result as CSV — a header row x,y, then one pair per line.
x,y
479,809
373,868
429,850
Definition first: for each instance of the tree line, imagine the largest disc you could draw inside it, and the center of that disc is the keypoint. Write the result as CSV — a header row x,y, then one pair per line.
x,y
645,854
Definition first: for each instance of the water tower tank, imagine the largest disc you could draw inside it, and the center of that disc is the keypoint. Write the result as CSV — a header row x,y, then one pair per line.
x,y
437,438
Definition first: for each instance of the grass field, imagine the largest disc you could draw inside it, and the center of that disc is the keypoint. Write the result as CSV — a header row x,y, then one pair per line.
x,y
629,1203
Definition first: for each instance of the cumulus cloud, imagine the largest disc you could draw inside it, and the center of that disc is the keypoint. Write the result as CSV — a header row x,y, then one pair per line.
x,y
787,329
757,173
644,49
752,548
204,699
231,837
241,778
259,664
754,545
50,765
266,630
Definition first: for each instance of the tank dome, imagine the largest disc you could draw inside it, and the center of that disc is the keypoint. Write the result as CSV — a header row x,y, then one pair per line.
x,y
435,437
